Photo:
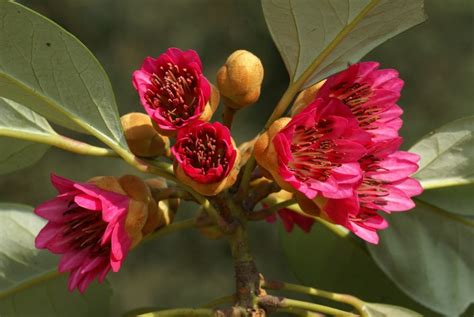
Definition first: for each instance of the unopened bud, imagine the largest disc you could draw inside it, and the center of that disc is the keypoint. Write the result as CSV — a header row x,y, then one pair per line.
x,y
305,97
239,80
142,138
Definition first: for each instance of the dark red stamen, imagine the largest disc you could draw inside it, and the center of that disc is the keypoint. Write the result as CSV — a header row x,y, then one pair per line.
x,y
173,93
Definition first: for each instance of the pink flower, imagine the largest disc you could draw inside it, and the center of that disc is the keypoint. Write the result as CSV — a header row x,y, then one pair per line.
x,y
173,90
371,94
206,157
86,225
386,186
316,152
290,218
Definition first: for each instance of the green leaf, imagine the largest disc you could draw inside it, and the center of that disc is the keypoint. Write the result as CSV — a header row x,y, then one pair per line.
x,y
52,298
20,122
447,155
323,260
428,253
28,284
457,200
17,154
383,310
330,34
47,69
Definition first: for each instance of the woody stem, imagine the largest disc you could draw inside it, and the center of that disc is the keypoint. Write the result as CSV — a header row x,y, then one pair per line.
x,y
246,273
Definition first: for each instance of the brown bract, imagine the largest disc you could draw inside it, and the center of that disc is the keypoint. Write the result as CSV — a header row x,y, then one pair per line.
x,y
206,115
266,155
240,79
210,189
305,97
142,138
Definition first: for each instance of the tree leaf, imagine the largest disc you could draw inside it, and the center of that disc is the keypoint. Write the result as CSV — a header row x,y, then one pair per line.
x,y
51,298
457,200
427,252
383,310
50,71
25,289
19,121
447,155
334,33
323,260
18,154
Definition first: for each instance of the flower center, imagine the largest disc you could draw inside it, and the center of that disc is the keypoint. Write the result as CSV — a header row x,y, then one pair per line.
x,y
313,157
84,230
356,96
173,93
203,151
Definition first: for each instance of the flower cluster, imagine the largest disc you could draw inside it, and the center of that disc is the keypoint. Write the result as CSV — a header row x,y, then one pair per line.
x,y
338,156
340,153
180,101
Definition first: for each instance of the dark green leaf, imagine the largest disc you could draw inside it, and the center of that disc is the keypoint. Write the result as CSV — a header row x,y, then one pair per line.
x,y
50,71
427,252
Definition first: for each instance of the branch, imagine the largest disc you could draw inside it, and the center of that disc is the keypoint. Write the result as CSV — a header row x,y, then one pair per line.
x,y
61,142
264,213
341,298
272,303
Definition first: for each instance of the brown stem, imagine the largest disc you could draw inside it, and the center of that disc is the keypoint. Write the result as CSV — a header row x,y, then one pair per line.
x,y
247,278
228,116
260,190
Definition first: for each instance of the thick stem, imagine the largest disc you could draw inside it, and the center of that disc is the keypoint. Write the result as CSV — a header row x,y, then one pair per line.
x,y
247,278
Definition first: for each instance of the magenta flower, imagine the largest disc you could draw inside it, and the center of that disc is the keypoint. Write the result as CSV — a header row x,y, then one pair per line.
x,y
205,157
316,152
371,94
173,89
386,186
86,225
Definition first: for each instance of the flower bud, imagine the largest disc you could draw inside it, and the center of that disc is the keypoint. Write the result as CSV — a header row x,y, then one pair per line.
x,y
161,213
305,97
94,225
142,138
239,80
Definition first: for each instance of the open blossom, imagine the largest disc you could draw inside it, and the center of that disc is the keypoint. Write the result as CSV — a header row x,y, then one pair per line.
x,y
386,186
206,157
173,90
94,225
316,152
371,94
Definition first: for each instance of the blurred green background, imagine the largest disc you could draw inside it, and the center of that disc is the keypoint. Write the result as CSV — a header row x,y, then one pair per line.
x,y
436,60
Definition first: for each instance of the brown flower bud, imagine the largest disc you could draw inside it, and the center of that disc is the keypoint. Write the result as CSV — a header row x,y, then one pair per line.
x,y
266,155
142,138
240,79
305,97
162,212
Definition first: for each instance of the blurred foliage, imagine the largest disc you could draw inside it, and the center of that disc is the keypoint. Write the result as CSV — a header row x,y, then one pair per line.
x,y
436,60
